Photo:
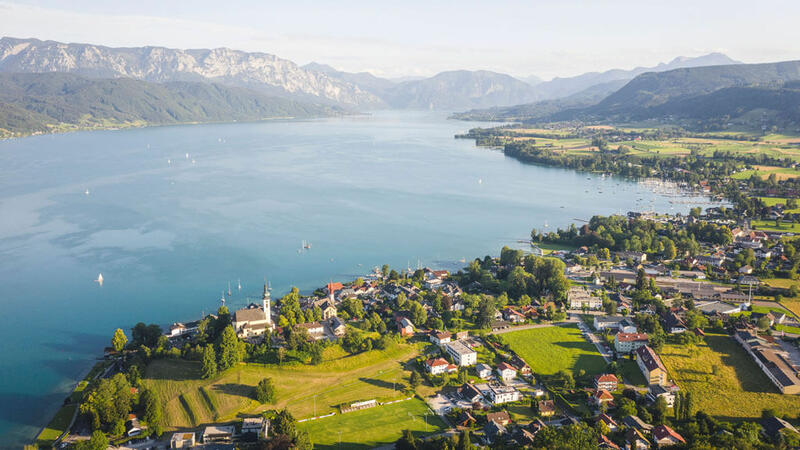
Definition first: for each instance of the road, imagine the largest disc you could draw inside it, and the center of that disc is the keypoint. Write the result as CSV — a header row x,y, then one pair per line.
x,y
607,356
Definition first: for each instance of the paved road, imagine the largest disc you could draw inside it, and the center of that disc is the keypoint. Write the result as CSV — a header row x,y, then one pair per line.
x,y
607,356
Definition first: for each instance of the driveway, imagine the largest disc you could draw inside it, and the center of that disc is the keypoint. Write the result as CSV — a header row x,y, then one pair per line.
x,y
591,337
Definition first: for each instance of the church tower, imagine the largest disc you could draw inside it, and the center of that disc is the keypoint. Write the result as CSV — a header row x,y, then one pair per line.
x,y
266,305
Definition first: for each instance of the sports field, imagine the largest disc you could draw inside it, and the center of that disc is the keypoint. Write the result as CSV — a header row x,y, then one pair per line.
x,y
550,349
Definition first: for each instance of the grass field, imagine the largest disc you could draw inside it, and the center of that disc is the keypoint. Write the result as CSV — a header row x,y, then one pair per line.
x,y
724,380
550,349
57,426
784,283
772,201
781,173
373,427
304,390
769,225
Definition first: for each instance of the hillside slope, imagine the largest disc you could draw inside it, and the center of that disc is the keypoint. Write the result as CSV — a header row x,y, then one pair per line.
x,y
31,103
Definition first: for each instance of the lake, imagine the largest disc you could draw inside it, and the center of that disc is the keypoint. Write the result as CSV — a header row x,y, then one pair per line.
x,y
171,215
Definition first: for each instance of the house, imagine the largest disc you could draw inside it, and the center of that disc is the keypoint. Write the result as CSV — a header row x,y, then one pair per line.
x,y
315,329
607,381
601,396
635,440
666,436
436,366
513,316
218,434
655,391
470,393
439,337
177,329
580,298
404,327
460,335
462,355
132,426
628,342
607,322
547,408
483,371
746,270
637,257
651,366
258,426
465,419
492,430
182,440
605,442
506,371
634,422
774,426
500,417
337,326
673,324
499,394
610,423
328,308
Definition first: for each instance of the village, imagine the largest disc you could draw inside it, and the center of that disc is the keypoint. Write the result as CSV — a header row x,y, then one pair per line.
x,y
487,362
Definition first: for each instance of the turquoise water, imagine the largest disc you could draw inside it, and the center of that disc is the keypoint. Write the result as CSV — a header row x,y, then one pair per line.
x,y
168,232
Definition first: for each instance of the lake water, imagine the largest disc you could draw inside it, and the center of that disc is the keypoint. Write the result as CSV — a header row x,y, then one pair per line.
x,y
169,231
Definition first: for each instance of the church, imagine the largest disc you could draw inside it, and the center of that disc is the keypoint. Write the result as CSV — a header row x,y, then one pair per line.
x,y
255,319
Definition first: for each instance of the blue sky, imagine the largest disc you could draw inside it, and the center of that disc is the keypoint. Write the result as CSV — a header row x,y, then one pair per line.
x,y
544,38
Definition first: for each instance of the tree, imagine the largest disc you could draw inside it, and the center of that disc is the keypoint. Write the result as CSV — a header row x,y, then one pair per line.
x,y
265,391
407,441
229,354
464,441
153,412
98,441
414,379
209,367
284,423
119,340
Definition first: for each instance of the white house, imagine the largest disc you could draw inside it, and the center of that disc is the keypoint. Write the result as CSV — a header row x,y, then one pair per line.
x,y
483,371
499,394
436,366
182,440
506,371
440,337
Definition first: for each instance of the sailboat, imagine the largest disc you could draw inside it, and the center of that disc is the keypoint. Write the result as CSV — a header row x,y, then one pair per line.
x,y
87,192
229,288
222,298
306,244
240,284
99,279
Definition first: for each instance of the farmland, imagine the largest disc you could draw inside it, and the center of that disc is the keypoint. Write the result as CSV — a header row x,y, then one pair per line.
x,y
372,427
550,349
724,381
303,389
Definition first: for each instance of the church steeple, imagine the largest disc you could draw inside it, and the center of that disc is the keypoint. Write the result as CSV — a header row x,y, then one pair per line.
x,y
266,304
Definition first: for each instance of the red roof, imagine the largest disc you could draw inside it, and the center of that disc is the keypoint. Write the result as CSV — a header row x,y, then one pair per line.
x,y
603,394
435,362
662,432
504,366
333,287
630,337
606,378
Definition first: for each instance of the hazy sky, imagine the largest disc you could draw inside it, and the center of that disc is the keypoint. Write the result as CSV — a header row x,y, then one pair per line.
x,y
410,37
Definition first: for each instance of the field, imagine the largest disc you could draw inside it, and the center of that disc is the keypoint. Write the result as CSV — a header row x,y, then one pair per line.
x,y
304,390
772,201
769,225
550,349
724,380
372,427
57,426
781,173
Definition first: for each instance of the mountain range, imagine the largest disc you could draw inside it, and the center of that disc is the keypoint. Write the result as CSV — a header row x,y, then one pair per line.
x,y
44,102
